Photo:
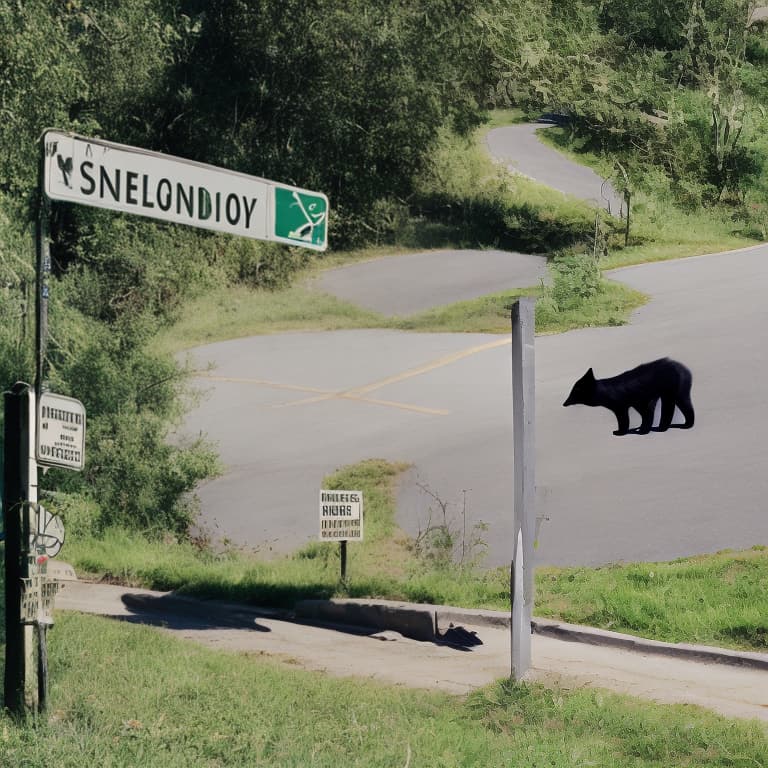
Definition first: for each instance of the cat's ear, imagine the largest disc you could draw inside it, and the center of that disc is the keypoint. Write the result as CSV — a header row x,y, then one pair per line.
x,y
589,374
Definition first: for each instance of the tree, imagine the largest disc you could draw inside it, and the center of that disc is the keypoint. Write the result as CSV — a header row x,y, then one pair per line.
x,y
345,97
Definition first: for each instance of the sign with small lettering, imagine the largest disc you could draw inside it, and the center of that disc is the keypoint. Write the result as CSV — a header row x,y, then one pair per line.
x,y
60,432
341,515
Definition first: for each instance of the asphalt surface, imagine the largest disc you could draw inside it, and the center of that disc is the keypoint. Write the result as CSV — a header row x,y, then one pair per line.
x,y
396,285
518,148
729,683
288,409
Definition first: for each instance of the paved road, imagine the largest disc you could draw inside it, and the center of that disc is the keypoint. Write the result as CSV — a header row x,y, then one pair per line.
x,y
404,285
518,147
289,409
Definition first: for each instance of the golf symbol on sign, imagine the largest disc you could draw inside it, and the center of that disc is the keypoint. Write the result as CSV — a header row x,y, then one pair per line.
x,y
300,216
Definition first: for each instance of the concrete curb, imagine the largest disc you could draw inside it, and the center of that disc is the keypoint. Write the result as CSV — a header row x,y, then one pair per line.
x,y
421,621
426,622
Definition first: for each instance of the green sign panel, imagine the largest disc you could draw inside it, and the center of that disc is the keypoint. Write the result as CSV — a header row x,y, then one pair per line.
x,y
301,217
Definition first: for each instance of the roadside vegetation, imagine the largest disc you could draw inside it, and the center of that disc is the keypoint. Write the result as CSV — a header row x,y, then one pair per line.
x,y
132,696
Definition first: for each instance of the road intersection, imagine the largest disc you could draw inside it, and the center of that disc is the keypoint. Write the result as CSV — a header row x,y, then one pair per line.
x,y
288,409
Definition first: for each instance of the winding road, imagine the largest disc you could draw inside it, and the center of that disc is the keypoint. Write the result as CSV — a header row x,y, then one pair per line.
x,y
288,409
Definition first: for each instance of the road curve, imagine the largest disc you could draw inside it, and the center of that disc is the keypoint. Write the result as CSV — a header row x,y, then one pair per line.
x,y
518,147
289,409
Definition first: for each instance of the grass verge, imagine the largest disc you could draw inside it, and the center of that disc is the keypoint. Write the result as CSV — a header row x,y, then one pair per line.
x,y
124,695
717,599
612,305
237,312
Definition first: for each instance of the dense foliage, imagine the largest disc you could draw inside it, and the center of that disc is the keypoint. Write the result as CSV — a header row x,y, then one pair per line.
x,y
673,90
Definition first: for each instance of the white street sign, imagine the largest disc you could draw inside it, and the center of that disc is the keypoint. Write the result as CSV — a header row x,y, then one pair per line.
x,y
132,180
341,515
60,432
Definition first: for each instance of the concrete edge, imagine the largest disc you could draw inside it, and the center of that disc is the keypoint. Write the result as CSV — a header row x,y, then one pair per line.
x,y
426,622
593,636
423,621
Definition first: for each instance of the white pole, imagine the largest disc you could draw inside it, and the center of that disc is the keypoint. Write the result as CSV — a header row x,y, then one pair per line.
x,y
523,413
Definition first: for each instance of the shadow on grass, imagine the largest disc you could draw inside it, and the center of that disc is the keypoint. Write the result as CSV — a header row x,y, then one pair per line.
x,y
492,221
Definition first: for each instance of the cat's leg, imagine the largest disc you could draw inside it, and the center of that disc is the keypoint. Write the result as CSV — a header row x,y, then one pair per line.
x,y
623,418
686,408
667,413
646,414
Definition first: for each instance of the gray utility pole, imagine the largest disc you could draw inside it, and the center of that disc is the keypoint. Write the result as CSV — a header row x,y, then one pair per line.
x,y
43,271
523,413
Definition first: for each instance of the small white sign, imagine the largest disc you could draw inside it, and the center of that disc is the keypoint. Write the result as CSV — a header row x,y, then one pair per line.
x,y
341,515
60,432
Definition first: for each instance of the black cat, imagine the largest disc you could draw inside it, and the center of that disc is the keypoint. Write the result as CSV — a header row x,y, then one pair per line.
x,y
640,388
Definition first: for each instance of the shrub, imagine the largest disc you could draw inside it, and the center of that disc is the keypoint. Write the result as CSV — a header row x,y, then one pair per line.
x,y
576,278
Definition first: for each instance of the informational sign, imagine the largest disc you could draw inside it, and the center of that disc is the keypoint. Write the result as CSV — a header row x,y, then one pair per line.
x,y
60,432
341,515
132,180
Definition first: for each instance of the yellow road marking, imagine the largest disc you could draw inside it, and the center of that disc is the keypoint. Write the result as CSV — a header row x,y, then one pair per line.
x,y
264,383
357,393
393,404
326,394
427,367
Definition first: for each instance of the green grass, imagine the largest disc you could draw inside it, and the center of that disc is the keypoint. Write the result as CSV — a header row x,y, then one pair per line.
x,y
717,599
236,311
124,695
491,314
383,565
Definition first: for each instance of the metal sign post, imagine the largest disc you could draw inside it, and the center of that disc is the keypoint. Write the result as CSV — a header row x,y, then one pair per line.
x,y
523,412
22,680
28,590
43,271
